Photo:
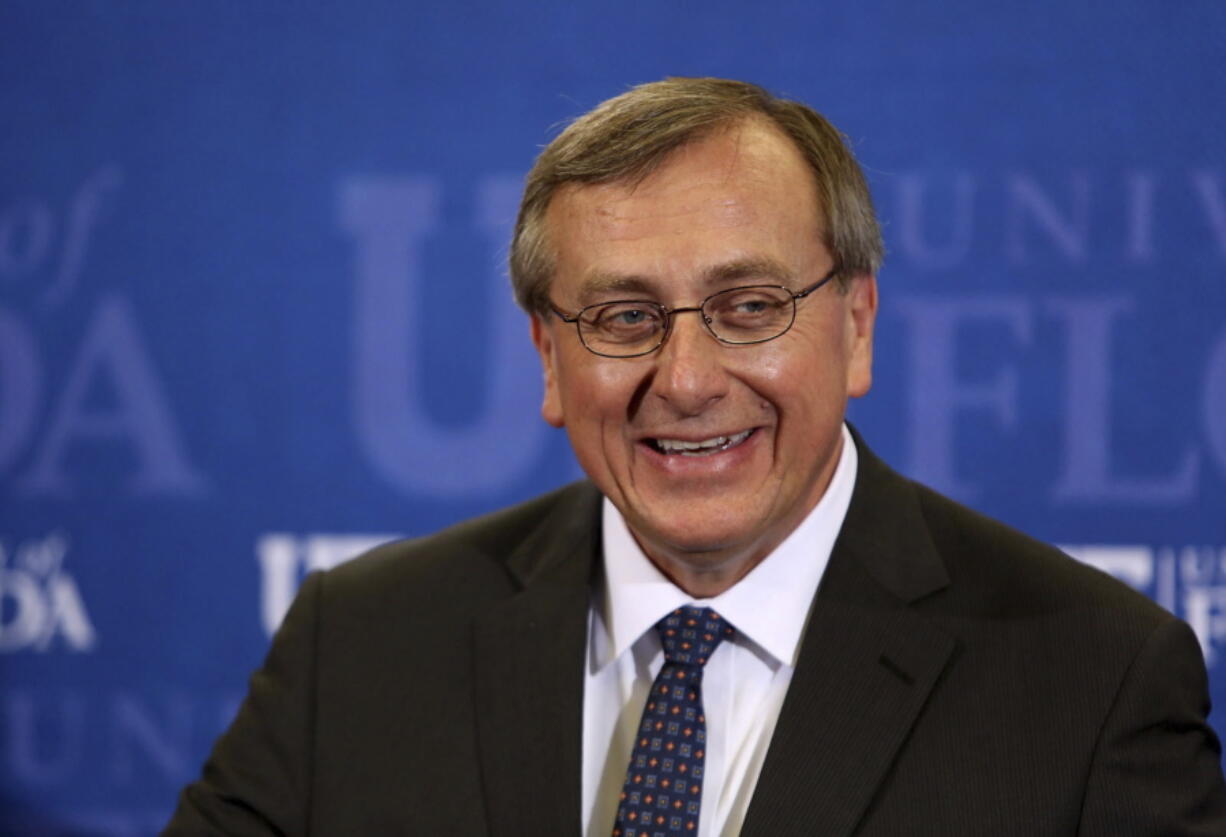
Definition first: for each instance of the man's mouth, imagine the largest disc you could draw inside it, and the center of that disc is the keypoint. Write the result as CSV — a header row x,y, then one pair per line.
x,y
706,447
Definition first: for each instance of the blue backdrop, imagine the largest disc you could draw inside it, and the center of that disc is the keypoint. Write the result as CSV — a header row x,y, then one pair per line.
x,y
254,316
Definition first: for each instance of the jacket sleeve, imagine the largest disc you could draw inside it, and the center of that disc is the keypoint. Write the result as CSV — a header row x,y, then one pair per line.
x,y
257,779
1157,768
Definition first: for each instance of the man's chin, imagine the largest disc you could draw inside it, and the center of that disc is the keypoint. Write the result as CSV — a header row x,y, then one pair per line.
x,y
701,542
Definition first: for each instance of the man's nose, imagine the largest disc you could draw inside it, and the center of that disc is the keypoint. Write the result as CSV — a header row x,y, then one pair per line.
x,y
690,372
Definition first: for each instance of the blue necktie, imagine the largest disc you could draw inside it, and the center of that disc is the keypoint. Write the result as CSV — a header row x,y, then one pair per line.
x,y
663,790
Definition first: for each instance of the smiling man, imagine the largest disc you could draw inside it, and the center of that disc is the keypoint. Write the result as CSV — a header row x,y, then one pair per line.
x,y
720,432
745,623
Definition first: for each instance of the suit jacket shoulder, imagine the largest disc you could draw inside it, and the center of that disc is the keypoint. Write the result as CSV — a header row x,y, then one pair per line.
x,y
959,677
392,698
1000,572
483,551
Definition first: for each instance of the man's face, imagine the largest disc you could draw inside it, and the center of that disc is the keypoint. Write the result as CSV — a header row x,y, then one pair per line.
x,y
738,208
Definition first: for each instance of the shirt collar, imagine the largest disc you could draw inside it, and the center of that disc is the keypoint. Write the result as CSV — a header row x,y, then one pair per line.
x,y
769,606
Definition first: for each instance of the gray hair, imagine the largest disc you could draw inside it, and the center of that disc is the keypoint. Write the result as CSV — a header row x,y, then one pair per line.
x,y
625,138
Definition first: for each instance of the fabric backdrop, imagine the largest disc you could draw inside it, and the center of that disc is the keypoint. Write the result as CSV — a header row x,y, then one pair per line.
x,y
254,314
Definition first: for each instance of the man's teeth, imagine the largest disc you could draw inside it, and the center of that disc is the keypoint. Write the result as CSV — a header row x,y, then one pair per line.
x,y
707,446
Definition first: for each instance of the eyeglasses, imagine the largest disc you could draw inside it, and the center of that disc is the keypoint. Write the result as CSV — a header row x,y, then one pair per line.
x,y
737,316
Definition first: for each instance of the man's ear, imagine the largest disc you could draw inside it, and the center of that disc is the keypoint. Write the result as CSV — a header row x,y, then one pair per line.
x,y
861,310
542,338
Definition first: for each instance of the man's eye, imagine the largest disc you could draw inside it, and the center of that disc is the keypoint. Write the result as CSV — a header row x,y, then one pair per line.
x,y
751,306
621,317
632,316
748,305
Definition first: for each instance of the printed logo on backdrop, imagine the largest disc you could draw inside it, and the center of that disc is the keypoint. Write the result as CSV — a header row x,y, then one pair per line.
x,y
939,220
41,607
47,417
1084,220
388,220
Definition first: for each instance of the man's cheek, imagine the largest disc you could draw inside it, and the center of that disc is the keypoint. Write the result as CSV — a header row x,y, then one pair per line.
x,y
771,369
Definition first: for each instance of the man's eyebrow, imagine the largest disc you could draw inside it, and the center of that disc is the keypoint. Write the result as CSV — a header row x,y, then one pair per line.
x,y
600,283
758,268
603,283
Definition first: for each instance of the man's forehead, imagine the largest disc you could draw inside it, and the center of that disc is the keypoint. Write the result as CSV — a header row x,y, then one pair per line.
x,y
616,212
737,206
713,175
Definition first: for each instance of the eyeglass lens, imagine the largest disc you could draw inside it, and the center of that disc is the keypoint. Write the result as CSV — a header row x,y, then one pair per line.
x,y
737,315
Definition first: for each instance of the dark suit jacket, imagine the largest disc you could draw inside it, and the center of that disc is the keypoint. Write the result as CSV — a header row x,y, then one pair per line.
x,y
955,678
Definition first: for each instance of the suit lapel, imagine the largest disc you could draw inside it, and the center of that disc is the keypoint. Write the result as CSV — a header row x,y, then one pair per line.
x,y
867,665
529,654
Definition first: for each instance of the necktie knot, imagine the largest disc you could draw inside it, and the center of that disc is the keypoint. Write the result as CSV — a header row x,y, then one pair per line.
x,y
690,635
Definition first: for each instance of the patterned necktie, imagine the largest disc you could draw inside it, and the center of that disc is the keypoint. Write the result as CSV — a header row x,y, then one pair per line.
x,y
663,787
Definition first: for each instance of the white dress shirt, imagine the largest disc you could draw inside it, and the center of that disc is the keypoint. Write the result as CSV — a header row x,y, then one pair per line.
x,y
745,680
